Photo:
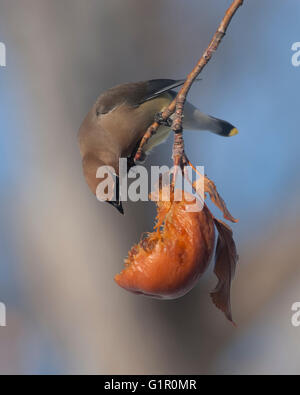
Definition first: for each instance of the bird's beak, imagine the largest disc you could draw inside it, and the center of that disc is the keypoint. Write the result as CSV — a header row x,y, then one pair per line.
x,y
117,205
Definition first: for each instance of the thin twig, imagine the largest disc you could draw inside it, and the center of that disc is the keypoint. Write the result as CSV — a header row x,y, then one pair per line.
x,y
178,103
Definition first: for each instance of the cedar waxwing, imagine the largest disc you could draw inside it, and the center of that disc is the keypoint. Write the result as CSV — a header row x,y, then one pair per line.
x,y
120,117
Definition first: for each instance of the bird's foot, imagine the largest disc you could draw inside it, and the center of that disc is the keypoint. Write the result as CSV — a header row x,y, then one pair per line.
x,y
165,122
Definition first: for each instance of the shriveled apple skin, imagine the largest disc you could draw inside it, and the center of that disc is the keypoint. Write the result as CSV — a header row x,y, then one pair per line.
x,y
168,263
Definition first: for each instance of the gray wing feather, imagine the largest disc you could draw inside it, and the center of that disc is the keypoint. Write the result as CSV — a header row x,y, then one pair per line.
x,y
134,94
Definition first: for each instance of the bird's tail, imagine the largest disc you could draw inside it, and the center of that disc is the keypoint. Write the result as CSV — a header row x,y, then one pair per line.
x,y
196,120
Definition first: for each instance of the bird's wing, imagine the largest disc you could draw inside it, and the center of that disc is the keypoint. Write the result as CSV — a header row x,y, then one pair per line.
x,y
156,88
134,94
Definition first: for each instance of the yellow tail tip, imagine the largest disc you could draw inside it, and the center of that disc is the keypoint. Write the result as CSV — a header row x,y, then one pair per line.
x,y
233,132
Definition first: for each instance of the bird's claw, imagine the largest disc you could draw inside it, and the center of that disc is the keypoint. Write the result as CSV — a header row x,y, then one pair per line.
x,y
165,122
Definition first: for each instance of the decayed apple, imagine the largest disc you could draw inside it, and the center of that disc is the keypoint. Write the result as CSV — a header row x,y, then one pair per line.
x,y
168,262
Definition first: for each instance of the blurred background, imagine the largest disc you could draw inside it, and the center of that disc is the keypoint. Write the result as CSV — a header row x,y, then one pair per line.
x,y
60,248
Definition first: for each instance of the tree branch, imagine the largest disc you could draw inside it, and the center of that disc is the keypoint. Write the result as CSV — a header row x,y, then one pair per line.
x,y
177,105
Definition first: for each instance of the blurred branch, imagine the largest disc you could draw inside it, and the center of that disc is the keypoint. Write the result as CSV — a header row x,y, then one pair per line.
x,y
177,105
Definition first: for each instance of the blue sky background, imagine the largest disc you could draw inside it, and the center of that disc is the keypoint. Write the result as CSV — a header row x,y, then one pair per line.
x,y
60,56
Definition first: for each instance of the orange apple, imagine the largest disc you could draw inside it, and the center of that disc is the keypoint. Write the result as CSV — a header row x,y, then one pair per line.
x,y
168,262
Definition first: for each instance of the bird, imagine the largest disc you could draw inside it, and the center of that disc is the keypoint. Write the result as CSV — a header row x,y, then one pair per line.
x,y
116,123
